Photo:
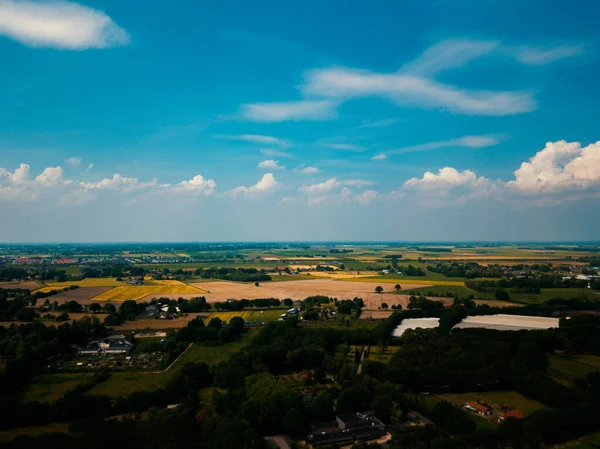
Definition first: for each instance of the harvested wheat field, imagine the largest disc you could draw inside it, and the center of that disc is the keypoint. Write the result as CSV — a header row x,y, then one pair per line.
x,y
219,291
136,292
156,324
25,285
82,295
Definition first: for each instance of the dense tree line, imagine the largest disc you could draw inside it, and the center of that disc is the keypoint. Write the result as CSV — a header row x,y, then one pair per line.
x,y
233,274
468,270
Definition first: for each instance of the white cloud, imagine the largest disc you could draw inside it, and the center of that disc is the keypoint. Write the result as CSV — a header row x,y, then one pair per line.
x,y
559,166
356,182
307,170
275,153
198,184
266,184
59,24
88,169
74,161
379,157
117,182
482,141
445,178
50,176
257,138
449,54
538,56
21,175
367,196
291,110
344,83
270,164
319,188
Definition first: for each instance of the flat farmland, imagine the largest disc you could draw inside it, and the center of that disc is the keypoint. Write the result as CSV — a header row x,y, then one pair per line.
x,y
220,291
82,294
51,387
88,282
136,292
156,324
26,285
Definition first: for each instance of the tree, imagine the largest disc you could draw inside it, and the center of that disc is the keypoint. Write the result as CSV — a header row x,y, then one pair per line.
x,y
397,287
256,284
379,289
502,295
95,307
384,305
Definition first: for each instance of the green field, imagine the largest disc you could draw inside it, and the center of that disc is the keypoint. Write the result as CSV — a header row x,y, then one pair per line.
x,y
511,398
564,370
125,383
378,355
480,422
249,316
7,435
50,387
587,442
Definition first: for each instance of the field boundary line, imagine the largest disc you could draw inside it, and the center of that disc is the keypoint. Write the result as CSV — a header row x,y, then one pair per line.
x,y
172,363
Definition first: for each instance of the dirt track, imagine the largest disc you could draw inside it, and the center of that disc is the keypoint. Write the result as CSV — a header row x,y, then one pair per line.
x,y
219,291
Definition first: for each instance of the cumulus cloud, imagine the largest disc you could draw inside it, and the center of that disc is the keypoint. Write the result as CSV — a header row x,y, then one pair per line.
x,y
539,56
257,138
270,164
445,178
481,141
74,161
59,24
198,184
291,110
559,166
307,170
20,175
407,89
266,184
50,176
319,188
367,196
379,157
116,182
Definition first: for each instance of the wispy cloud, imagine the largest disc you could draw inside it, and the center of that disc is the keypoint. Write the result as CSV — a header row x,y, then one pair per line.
x,y
541,56
290,110
345,83
379,123
275,153
344,147
448,54
307,170
59,24
464,142
379,157
74,161
256,138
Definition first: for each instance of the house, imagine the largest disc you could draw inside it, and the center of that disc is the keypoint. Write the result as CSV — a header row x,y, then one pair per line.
x,y
93,347
480,409
118,347
347,427
511,414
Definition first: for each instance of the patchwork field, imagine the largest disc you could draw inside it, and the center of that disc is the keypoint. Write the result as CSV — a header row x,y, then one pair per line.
x,y
220,291
27,285
136,292
153,324
88,282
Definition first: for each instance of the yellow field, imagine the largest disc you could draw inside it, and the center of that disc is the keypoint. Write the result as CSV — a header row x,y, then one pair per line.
x,y
88,282
49,289
135,292
248,315
226,316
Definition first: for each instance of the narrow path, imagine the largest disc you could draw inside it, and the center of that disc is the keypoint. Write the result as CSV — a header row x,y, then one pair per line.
x,y
173,363
363,354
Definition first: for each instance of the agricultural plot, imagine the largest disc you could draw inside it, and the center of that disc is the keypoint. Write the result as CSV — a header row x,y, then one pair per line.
x,y
415,282
249,316
88,282
82,294
565,370
8,435
377,354
25,285
136,292
508,322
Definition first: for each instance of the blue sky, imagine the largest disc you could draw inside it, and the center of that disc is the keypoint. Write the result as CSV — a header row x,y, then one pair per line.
x,y
411,120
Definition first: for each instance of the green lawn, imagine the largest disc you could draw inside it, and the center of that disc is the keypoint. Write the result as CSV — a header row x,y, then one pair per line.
x,y
125,383
480,422
378,355
565,370
7,435
50,387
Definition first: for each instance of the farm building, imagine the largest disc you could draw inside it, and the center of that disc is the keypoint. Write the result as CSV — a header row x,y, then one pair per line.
x,y
511,414
415,323
347,427
480,409
508,322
